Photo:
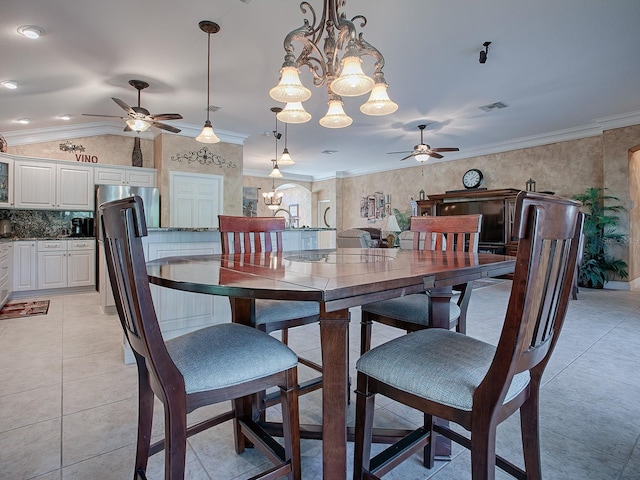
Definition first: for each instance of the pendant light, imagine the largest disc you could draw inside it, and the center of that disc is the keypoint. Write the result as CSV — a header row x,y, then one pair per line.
x,y
285,159
208,135
276,173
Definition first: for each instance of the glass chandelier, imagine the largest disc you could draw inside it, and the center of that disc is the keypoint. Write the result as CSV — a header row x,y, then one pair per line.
x,y
342,77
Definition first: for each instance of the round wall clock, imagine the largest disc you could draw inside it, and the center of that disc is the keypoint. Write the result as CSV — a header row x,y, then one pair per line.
x,y
472,178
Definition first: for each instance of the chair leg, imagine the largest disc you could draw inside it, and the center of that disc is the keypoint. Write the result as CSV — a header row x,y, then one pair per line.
x,y
291,423
145,421
243,409
365,333
175,439
365,405
429,453
285,336
483,451
529,426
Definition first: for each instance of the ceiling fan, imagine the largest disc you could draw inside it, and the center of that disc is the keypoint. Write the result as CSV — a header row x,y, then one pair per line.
x,y
422,151
138,118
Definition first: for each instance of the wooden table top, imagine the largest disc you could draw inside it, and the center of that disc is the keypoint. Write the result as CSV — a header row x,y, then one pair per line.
x,y
340,278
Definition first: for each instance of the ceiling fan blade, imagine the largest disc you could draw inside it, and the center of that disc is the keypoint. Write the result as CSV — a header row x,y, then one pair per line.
x,y
435,155
446,149
167,116
128,129
408,156
123,105
99,115
166,127
404,151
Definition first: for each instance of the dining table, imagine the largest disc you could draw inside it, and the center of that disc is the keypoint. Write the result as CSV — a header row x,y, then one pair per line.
x,y
338,280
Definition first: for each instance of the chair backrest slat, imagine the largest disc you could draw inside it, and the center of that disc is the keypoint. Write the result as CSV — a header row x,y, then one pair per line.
x,y
549,230
453,232
250,234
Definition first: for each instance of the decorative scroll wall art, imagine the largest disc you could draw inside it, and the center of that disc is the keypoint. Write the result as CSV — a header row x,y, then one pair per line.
x,y
204,157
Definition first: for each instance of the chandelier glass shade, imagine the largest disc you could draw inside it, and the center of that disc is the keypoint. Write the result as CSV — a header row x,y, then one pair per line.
x,y
285,158
332,50
272,199
207,135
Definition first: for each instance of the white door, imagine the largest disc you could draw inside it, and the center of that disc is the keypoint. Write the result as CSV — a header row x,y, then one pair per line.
x,y
196,199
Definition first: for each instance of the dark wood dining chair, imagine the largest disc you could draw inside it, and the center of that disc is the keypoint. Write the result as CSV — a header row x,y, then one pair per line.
x,y
211,365
451,376
243,235
411,312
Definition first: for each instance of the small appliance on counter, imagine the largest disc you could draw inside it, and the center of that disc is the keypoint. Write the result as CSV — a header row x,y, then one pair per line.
x,y
5,228
81,227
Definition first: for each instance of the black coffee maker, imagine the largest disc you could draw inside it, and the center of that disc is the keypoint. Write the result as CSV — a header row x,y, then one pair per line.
x,y
81,227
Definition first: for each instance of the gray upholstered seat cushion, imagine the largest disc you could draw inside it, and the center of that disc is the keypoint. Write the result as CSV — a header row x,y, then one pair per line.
x,y
228,354
436,364
410,308
277,310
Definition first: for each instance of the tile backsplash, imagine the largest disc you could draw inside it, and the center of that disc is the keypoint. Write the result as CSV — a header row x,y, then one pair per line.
x,y
41,223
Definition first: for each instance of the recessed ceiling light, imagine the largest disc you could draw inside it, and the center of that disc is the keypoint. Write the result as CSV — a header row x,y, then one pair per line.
x,y
11,85
23,121
30,31
66,116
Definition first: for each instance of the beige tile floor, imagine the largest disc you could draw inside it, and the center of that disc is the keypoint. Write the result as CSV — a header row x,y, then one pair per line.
x,y
68,407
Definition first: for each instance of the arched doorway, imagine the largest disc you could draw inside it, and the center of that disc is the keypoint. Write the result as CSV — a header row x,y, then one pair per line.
x,y
296,205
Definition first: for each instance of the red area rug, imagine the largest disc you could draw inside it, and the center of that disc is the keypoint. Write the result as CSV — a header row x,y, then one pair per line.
x,y
24,309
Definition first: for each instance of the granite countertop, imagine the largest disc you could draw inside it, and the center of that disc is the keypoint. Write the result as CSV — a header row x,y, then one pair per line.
x,y
59,237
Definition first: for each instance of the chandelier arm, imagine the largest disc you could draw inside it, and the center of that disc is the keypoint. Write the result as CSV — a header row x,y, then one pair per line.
x,y
365,48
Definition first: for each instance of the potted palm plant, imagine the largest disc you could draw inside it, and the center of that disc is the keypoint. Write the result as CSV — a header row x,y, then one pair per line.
x,y
600,222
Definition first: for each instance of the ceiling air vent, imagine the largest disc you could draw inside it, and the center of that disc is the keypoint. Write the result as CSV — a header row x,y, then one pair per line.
x,y
493,106
329,152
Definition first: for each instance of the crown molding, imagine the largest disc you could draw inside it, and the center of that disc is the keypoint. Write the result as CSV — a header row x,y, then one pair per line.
x,y
80,130
619,121
285,176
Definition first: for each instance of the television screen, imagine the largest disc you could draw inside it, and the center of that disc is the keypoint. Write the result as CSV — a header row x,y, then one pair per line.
x,y
492,217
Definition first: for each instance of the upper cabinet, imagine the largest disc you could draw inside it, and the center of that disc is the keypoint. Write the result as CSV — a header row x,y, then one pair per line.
x,y
61,186
6,182
134,176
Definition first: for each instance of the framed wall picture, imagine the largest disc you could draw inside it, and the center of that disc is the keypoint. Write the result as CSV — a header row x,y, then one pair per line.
x,y
293,210
250,201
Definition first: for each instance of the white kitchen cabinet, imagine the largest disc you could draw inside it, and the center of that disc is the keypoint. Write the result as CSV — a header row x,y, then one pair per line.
x,y
81,263
66,263
25,266
6,181
134,176
52,264
6,269
57,186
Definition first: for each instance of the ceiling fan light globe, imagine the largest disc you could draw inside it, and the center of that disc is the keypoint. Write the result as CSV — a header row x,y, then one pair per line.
x,y
335,117
294,112
138,125
207,135
379,102
421,157
290,88
352,81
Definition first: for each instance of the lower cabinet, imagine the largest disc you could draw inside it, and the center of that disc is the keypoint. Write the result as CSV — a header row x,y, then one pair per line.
x,y
66,263
6,267
47,264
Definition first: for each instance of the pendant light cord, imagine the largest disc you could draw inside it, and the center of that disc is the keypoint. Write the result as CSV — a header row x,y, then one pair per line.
x,y
208,72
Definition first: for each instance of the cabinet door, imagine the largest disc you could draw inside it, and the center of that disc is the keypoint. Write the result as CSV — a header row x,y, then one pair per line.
x,y
6,182
75,187
81,266
35,185
24,266
141,178
109,176
52,269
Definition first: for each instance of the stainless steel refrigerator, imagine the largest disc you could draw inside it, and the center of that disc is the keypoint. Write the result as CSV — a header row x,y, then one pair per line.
x,y
150,200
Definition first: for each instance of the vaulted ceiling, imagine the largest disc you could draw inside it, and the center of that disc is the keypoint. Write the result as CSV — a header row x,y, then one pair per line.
x,y
564,69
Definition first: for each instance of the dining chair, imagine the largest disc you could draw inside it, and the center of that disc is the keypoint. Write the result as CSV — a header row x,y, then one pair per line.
x,y
207,366
243,235
411,312
476,385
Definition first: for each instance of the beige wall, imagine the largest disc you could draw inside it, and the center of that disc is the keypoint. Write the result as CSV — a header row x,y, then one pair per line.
x,y
634,213
109,149
170,152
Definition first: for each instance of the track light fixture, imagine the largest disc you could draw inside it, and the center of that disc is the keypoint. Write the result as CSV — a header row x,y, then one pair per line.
x,y
483,53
